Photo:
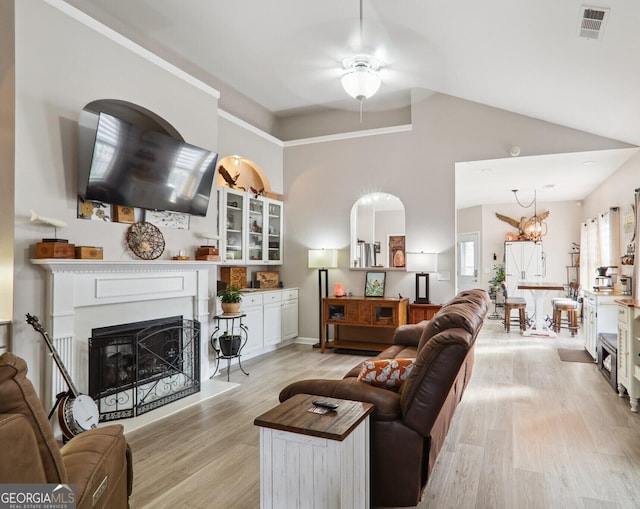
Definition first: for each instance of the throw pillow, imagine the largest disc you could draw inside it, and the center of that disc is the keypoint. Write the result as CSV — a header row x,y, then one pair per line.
x,y
386,373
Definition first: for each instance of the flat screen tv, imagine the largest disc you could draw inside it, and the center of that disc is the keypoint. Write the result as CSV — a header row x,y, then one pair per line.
x,y
135,166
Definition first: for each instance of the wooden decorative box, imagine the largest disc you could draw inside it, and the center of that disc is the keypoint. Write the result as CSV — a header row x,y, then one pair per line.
x,y
122,214
55,250
268,278
206,251
89,252
234,276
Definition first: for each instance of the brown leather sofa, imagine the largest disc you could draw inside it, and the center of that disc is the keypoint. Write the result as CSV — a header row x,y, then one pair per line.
x,y
408,426
97,461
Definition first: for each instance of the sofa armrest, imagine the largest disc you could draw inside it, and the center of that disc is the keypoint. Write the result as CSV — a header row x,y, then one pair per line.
x,y
409,334
99,462
386,402
21,461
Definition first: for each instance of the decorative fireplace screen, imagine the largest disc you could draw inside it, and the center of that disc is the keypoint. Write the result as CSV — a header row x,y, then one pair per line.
x,y
137,367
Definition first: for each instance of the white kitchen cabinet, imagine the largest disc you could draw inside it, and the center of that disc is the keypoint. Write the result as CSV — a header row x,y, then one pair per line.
x,y
272,318
252,306
523,261
600,314
289,314
629,351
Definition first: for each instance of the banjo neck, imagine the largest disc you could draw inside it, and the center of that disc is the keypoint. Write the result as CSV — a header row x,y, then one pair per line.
x,y
35,323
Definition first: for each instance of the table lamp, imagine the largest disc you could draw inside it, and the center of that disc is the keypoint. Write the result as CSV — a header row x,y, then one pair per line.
x,y
322,259
422,264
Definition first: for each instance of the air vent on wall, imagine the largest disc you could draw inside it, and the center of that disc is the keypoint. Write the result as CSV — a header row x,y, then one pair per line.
x,y
593,22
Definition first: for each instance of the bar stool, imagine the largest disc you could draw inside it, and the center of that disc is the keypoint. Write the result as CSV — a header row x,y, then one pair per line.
x,y
569,306
512,304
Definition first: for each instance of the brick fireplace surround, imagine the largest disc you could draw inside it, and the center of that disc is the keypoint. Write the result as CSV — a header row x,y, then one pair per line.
x,y
83,294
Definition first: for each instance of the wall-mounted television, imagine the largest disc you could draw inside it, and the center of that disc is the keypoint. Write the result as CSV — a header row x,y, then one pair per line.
x,y
136,166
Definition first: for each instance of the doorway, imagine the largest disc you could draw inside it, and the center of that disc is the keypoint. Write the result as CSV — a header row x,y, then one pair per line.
x,y
468,261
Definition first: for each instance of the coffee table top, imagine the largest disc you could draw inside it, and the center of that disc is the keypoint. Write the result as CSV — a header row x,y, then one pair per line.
x,y
293,416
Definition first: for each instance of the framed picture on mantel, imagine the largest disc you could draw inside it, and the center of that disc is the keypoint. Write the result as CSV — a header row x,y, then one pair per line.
x,y
374,284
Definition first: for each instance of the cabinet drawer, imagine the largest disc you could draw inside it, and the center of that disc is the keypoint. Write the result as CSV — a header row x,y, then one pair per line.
x,y
272,297
623,314
289,294
251,299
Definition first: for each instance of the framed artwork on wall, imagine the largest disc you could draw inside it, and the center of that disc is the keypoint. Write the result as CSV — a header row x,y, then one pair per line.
x,y
374,284
397,251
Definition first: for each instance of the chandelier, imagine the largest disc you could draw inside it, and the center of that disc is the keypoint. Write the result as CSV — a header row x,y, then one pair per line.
x,y
535,228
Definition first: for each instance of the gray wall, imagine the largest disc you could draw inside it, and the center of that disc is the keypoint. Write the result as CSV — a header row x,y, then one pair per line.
x,y
323,180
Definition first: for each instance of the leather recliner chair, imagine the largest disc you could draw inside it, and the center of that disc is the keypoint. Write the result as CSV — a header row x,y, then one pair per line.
x,y
97,461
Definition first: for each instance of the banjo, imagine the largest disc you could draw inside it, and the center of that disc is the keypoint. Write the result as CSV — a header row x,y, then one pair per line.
x,y
76,412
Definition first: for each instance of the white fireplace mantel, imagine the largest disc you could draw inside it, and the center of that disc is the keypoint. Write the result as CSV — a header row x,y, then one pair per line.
x,y
73,285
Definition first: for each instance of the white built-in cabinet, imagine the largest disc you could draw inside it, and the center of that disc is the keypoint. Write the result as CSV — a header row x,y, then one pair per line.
x,y
250,227
271,316
289,314
629,351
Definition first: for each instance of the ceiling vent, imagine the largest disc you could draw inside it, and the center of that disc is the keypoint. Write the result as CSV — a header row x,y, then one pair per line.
x,y
593,22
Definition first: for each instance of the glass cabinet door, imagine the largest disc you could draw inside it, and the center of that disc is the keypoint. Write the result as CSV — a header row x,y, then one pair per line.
x,y
274,221
233,224
256,230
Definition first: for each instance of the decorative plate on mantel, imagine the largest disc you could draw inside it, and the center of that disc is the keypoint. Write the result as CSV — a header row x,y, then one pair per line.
x,y
145,240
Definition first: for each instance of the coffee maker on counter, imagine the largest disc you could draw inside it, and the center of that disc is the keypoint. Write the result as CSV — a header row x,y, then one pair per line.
x,y
605,278
625,285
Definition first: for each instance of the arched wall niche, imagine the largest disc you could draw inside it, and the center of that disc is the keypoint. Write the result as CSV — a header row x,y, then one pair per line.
x,y
243,174
133,113
378,232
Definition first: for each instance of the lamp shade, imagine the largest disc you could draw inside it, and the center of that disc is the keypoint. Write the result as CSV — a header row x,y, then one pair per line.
x,y
361,82
422,262
323,258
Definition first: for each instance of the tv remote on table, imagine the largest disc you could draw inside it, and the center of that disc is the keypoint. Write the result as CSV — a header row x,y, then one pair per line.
x,y
325,404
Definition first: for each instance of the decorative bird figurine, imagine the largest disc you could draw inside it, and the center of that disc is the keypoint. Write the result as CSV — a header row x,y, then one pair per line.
x,y
526,227
256,192
231,181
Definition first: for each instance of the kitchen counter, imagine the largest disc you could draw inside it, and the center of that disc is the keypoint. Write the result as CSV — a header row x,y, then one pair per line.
x,y
629,302
254,290
612,293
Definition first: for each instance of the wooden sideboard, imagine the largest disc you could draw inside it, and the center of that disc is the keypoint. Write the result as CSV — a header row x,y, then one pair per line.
x,y
362,323
419,312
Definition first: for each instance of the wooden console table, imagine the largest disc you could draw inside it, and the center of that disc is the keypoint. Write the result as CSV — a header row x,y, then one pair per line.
x,y
370,312
419,312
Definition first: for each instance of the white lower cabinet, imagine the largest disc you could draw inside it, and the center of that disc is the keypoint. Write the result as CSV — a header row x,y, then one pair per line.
x,y
252,306
629,352
290,314
272,318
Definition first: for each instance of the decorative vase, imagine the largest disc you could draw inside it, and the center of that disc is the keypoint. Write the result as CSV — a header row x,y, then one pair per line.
x,y
230,345
229,308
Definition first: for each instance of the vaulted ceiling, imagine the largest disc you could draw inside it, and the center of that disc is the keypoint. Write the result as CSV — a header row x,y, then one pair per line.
x,y
526,57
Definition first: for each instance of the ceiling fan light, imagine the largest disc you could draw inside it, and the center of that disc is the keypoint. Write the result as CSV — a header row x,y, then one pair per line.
x,y
361,82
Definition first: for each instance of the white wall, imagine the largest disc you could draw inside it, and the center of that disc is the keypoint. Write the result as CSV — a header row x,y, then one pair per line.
x,y
616,191
61,66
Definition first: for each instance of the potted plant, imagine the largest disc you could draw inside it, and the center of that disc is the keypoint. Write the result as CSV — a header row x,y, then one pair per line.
x,y
230,344
230,298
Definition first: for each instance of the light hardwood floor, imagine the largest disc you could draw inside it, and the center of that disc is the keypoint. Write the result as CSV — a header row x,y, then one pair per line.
x,y
531,432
